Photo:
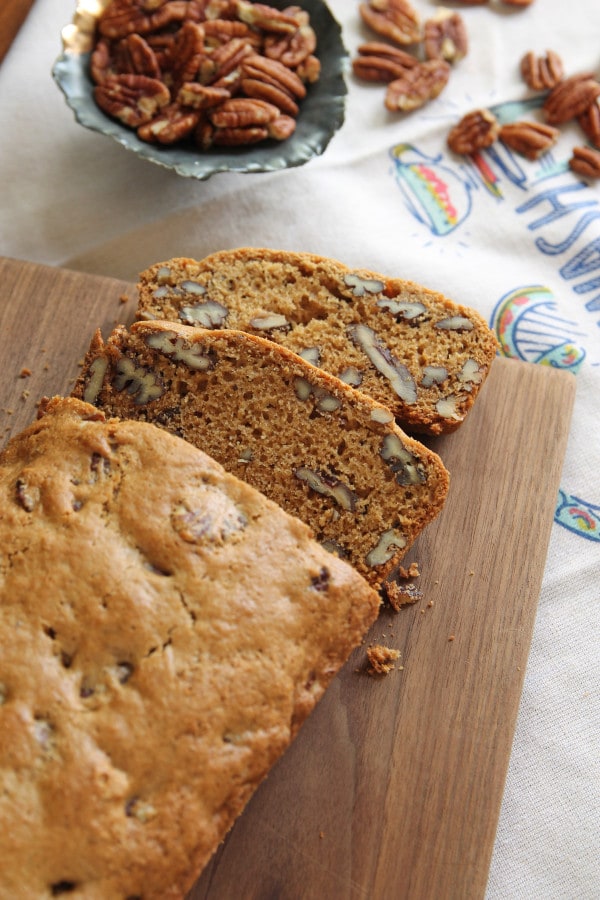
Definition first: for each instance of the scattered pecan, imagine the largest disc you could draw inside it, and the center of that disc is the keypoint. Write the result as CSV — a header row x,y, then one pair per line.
x,y
517,2
393,19
530,139
133,99
475,131
541,73
417,86
570,98
377,69
585,161
388,51
380,62
445,36
590,122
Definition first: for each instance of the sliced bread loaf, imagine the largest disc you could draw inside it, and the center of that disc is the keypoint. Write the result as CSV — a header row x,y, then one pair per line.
x,y
326,453
409,348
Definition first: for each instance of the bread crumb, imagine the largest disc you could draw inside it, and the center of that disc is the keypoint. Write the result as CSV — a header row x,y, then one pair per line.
x,y
451,638
321,834
401,594
381,659
25,372
411,572
124,298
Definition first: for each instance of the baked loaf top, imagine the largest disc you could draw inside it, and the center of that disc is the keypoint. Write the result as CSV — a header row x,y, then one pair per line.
x,y
326,453
409,348
164,631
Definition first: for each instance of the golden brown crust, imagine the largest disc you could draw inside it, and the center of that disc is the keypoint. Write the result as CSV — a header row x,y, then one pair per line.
x,y
443,349
326,453
148,601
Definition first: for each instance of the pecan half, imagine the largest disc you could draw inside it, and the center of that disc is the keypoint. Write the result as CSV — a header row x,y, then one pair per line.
x,y
445,36
530,139
201,96
387,51
185,56
590,122
271,71
224,60
281,128
382,63
240,112
570,98
377,69
219,31
259,15
309,70
133,99
585,161
239,137
123,17
541,73
171,125
475,131
394,19
135,56
101,63
291,49
417,86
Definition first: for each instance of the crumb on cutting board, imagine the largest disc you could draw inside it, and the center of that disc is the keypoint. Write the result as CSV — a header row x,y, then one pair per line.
x,y
381,659
399,595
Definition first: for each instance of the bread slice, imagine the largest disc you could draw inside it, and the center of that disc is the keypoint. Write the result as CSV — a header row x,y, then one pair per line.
x,y
409,348
165,630
324,452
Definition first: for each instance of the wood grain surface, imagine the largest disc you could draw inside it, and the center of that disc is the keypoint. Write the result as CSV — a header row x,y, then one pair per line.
x,y
12,15
393,787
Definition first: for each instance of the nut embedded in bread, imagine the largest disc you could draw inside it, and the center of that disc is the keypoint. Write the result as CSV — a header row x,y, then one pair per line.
x,y
410,348
164,631
324,452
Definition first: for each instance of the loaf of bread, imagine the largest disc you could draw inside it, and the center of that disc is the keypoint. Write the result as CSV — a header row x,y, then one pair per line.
x,y
409,348
164,631
324,452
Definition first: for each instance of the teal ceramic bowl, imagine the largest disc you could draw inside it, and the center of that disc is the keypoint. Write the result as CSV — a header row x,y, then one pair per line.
x,y
321,111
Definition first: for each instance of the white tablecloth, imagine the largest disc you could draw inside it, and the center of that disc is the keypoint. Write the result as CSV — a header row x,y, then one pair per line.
x,y
518,240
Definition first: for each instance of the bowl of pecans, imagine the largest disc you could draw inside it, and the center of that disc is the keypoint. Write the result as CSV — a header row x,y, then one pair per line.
x,y
207,86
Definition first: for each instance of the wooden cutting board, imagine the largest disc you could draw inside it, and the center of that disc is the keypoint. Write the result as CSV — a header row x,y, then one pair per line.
x,y
393,787
12,15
